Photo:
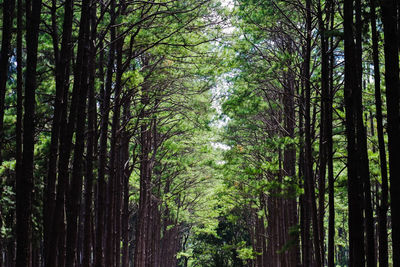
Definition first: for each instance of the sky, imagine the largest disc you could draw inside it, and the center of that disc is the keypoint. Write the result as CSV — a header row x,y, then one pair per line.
x,y
227,3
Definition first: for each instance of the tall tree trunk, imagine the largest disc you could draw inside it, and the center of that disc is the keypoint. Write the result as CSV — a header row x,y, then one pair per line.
x,y
388,8
307,253
8,15
125,180
142,229
301,165
66,133
75,188
323,126
329,132
289,168
105,113
310,206
114,181
62,84
90,146
356,233
109,245
331,186
383,207
18,126
362,147
25,183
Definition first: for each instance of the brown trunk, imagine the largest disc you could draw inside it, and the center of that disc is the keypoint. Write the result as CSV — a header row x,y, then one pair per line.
x,y
90,147
324,135
383,207
310,205
329,133
66,135
25,183
75,187
18,126
109,245
289,169
356,233
8,15
114,223
392,97
125,184
142,229
7,19
62,84
301,165
105,110
361,137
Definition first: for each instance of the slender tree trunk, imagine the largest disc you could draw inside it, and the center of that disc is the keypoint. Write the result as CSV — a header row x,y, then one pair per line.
x,y
7,19
307,253
362,147
324,135
8,15
62,84
142,229
301,165
25,183
356,233
109,245
329,132
310,206
125,180
289,168
18,126
66,134
105,110
331,188
90,146
114,183
75,188
388,8
383,207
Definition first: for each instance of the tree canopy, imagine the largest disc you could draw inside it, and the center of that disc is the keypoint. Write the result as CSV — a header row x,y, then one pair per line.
x,y
199,133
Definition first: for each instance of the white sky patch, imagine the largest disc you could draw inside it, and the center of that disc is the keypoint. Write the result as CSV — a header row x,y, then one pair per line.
x,y
228,30
220,91
227,3
221,146
219,94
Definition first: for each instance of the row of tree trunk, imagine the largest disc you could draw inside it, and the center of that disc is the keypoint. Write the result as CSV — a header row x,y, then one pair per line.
x,y
88,218
368,237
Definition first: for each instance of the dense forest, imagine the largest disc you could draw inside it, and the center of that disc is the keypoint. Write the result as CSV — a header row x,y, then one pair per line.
x,y
163,133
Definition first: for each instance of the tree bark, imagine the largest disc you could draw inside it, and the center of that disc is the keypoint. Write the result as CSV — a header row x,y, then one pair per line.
x,y
383,207
125,180
114,225
142,228
65,148
25,183
8,15
289,169
62,84
105,113
388,8
90,146
324,135
310,205
362,147
356,233
329,133
18,126
75,188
